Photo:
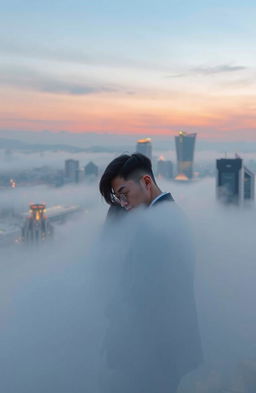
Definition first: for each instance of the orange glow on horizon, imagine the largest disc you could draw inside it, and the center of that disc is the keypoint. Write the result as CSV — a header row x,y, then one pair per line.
x,y
217,117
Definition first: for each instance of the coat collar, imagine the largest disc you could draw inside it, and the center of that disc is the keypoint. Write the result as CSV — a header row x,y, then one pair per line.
x,y
165,196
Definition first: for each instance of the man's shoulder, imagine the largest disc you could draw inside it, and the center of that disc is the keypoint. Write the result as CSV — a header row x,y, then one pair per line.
x,y
167,216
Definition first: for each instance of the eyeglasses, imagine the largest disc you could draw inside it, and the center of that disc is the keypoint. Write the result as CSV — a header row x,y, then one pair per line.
x,y
119,198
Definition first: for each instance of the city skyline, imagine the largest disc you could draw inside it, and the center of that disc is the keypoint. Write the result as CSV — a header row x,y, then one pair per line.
x,y
135,68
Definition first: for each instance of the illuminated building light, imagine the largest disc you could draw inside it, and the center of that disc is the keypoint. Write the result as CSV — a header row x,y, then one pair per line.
x,y
181,177
145,140
12,183
144,146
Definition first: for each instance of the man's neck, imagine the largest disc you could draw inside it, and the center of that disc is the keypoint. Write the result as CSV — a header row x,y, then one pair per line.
x,y
155,193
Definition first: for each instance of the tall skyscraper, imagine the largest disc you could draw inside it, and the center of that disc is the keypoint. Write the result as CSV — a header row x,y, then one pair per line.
x,y
72,170
164,168
185,146
144,146
235,182
36,228
249,184
91,170
229,180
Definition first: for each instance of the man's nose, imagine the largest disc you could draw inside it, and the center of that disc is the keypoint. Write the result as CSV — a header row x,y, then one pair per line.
x,y
123,203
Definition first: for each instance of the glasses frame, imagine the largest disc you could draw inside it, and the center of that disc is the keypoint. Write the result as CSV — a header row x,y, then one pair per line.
x,y
119,198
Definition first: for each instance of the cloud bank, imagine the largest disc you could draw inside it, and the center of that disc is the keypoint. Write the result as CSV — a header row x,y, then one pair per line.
x,y
51,325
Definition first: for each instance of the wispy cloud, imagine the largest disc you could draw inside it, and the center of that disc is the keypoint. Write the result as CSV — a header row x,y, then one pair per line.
x,y
219,69
73,55
25,78
209,70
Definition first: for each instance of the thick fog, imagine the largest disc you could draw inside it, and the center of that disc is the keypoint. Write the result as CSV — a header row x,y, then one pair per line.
x,y
55,299
72,194
17,161
225,289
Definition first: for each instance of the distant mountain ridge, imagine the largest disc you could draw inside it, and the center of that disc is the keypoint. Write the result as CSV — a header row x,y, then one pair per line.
x,y
107,142
14,144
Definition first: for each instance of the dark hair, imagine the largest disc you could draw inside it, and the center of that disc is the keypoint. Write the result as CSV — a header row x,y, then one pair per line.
x,y
126,166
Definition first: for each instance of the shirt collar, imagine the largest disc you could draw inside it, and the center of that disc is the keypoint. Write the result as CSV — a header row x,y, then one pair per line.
x,y
158,197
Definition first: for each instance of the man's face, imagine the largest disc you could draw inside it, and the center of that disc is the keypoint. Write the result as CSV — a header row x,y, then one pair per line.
x,y
131,193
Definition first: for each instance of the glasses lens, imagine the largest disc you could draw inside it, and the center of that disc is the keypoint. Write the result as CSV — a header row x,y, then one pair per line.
x,y
119,199
115,199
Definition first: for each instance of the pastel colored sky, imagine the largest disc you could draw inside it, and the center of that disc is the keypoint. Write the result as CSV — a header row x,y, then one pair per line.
x,y
143,67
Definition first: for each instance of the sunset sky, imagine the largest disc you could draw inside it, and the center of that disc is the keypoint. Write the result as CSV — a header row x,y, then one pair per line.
x,y
143,67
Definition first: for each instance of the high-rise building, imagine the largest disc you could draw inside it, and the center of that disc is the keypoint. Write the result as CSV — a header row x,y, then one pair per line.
x,y
185,146
229,179
72,170
59,178
36,228
144,146
164,168
235,182
249,184
91,170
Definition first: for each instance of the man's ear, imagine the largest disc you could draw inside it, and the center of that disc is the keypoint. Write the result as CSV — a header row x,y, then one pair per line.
x,y
147,181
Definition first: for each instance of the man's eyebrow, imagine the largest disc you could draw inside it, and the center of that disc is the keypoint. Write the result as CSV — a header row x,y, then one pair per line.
x,y
120,189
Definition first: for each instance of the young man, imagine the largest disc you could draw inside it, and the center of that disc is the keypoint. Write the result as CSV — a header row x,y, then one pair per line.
x,y
129,181
152,339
